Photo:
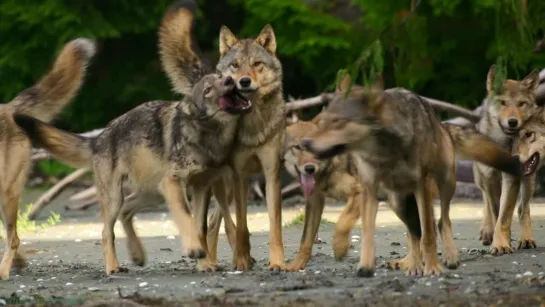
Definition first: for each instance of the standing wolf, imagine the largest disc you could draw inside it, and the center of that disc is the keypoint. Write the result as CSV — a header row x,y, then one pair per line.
x,y
159,146
406,151
44,101
257,72
505,111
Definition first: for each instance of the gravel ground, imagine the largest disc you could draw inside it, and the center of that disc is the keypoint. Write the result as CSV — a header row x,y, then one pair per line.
x,y
66,268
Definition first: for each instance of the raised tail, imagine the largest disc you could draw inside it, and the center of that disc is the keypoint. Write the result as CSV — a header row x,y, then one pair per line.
x,y
59,85
471,144
180,55
70,148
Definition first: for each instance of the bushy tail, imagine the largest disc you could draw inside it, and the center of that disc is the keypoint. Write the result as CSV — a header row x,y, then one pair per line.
x,y
70,148
473,145
57,87
180,55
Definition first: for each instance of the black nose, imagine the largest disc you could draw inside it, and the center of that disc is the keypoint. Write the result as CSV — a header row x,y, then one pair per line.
x,y
309,169
245,82
513,122
228,81
306,144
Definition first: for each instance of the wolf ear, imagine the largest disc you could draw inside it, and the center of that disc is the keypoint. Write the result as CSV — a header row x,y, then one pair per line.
x,y
227,40
531,81
267,39
344,84
490,79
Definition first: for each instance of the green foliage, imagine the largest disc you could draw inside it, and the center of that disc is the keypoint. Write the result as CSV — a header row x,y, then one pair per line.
x,y
439,48
24,224
54,168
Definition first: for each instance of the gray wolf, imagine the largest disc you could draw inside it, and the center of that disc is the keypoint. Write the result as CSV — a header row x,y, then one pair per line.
x,y
259,141
529,144
161,147
405,150
43,101
505,111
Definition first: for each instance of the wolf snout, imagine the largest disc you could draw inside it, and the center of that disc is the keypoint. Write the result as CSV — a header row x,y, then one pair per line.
x,y
229,81
512,122
309,169
245,82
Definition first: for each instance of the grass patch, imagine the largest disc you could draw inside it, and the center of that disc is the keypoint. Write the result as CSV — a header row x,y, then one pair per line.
x,y
299,220
24,224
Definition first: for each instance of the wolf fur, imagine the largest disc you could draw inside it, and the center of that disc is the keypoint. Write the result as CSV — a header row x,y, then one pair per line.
x,y
43,101
160,147
257,72
406,151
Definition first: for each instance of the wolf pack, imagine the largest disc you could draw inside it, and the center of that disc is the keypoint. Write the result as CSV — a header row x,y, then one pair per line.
x,y
369,142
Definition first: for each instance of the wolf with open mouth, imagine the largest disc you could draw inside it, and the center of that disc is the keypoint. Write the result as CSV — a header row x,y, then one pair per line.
x,y
163,148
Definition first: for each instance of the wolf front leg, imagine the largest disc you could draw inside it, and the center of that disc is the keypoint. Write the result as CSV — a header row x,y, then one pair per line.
x,y
269,157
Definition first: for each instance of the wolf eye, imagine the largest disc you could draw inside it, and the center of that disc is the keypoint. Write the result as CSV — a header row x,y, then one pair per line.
x,y
522,104
234,66
503,103
257,63
528,135
207,90
297,146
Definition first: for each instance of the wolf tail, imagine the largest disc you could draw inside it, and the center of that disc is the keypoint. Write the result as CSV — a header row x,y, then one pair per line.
x,y
72,149
180,55
473,145
59,85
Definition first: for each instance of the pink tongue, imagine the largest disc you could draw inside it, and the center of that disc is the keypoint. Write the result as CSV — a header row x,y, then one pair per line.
x,y
308,182
225,102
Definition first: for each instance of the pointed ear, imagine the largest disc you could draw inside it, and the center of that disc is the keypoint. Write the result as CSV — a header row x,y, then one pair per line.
x,y
294,117
531,81
344,84
267,39
490,79
227,40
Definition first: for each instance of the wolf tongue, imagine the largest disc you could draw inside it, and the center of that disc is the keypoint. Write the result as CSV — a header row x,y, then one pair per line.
x,y
308,183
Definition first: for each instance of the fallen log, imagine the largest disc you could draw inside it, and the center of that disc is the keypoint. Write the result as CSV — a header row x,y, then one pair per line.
x,y
48,196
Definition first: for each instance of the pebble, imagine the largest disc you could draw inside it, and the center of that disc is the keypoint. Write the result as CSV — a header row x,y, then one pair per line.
x,y
528,273
69,283
93,289
170,238
143,284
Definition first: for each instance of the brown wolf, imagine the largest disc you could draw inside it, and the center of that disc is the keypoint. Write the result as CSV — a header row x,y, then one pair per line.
x,y
161,147
336,178
529,144
257,72
44,101
405,150
504,113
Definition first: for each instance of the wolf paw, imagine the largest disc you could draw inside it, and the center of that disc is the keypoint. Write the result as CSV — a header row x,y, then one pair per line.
x,y
500,249
526,243
207,266
297,264
243,263
340,247
196,253
397,264
433,269
486,237
451,260
365,272
116,270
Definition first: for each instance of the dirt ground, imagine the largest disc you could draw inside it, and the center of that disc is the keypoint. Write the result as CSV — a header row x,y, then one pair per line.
x,y
66,268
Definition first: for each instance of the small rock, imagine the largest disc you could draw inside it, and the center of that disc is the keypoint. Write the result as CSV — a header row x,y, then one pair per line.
x,y
2,302
193,282
143,284
235,272
528,273
317,272
170,238
22,286
69,283
395,244
515,263
355,237
518,276
77,240
93,289
428,284
166,249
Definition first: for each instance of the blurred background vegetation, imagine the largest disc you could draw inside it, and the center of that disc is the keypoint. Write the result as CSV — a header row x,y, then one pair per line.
x,y
438,48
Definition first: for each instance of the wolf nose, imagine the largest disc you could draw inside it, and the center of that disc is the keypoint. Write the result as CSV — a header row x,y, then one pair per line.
x,y
306,144
228,81
245,82
309,169
513,122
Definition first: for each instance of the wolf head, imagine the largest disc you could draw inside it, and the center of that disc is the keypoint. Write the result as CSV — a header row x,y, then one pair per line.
x,y
252,63
530,142
514,103
350,121
215,94
301,163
